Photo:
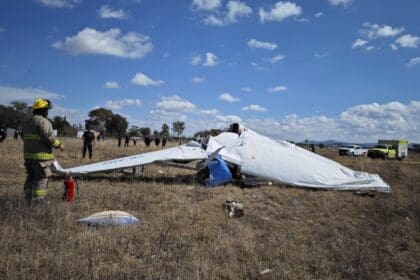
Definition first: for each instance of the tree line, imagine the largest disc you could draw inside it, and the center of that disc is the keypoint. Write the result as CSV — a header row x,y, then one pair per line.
x,y
102,120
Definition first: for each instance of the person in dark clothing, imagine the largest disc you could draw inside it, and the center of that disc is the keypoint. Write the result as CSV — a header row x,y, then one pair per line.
x,y
157,141
312,148
134,141
16,135
127,141
164,141
147,141
3,133
88,141
119,140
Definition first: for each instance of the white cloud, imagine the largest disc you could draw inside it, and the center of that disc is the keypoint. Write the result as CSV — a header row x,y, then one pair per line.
x,y
280,11
414,61
213,20
211,60
319,14
158,115
319,55
258,67
237,9
276,58
228,119
255,108
206,5
362,123
234,11
359,43
107,12
391,120
211,112
228,97
119,104
175,103
301,19
370,48
141,79
110,84
374,31
408,41
277,89
254,44
9,94
340,2
393,47
246,89
59,3
196,59
111,42
197,80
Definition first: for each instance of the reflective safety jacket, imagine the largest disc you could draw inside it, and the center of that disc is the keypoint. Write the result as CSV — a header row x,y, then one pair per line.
x,y
38,138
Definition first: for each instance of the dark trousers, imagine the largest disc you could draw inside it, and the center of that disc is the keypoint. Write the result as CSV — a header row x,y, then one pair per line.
x,y
87,146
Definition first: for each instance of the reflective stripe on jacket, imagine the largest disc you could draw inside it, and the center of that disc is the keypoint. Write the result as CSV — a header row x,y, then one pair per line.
x,y
38,138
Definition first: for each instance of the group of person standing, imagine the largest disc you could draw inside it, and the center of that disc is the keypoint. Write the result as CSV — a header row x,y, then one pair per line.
x,y
147,141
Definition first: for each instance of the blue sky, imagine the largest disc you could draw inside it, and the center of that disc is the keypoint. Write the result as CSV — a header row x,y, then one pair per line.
x,y
309,69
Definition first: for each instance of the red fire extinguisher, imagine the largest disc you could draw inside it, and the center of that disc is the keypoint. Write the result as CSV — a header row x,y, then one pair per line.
x,y
69,185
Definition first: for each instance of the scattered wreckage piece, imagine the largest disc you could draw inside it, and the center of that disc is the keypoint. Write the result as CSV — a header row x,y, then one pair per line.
x,y
233,208
241,152
109,218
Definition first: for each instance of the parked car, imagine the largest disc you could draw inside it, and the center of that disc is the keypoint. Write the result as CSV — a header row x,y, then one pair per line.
x,y
352,150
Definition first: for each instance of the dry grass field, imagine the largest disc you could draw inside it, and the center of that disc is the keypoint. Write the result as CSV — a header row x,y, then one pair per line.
x,y
286,233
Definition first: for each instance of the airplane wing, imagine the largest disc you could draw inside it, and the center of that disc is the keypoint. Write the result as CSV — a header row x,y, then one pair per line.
x,y
283,162
190,151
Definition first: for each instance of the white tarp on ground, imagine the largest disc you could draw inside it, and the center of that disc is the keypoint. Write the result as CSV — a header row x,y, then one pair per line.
x,y
287,163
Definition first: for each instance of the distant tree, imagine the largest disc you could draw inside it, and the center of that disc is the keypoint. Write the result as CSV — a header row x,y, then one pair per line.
x,y
145,131
98,119
21,108
134,131
165,131
11,115
63,127
178,127
116,125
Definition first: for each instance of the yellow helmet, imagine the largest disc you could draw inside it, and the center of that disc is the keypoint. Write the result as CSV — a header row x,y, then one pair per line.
x,y
41,104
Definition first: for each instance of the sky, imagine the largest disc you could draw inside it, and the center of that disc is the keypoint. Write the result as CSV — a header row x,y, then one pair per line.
x,y
347,70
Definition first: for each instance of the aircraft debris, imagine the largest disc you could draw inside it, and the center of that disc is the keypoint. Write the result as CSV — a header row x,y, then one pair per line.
x,y
239,154
234,208
265,271
109,218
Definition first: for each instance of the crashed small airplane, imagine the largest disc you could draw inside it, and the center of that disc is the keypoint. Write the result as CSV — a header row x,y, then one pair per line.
x,y
242,154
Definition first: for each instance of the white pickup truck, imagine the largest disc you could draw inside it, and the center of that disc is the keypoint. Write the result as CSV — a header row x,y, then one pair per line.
x,y
352,150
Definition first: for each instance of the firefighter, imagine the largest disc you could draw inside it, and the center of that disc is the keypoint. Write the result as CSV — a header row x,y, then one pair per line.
x,y
88,139
38,144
